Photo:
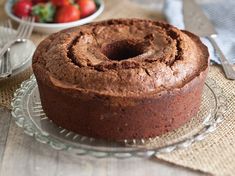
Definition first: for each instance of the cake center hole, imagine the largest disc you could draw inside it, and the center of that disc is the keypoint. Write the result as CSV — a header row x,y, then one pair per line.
x,y
121,50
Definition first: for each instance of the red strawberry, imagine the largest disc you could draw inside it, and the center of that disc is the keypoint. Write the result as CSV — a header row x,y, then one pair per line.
x,y
39,1
87,7
60,2
22,8
67,13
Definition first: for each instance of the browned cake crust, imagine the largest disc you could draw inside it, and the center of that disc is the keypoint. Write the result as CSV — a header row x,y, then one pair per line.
x,y
122,78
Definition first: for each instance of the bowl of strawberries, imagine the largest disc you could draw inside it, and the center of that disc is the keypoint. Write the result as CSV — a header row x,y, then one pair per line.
x,y
54,15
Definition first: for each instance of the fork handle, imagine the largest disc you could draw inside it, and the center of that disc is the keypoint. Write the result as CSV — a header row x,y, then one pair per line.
x,y
6,46
6,67
227,67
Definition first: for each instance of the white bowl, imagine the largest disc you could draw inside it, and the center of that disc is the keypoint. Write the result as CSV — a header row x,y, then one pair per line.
x,y
54,27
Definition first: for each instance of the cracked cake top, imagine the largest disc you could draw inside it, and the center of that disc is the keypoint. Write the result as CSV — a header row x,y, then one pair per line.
x,y
121,57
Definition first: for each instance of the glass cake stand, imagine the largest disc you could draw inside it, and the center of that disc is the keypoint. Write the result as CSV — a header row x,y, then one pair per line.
x,y
28,114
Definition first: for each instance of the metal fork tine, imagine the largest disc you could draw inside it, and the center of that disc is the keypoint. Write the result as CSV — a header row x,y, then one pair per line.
x,y
19,29
9,24
30,28
3,29
22,31
9,30
26,28
20,26
3,38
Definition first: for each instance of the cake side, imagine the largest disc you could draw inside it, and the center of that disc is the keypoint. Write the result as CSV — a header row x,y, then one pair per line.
x,y
106,118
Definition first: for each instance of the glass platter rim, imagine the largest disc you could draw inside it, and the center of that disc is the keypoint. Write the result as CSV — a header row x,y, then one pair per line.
x,y
30,128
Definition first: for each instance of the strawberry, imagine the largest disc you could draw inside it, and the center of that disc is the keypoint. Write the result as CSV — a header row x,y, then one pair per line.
x,y
22,8
87,7
39,1
67,13
61,2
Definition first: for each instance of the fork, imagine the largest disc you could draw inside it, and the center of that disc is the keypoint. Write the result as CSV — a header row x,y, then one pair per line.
x,y
6,68
5,64
24,31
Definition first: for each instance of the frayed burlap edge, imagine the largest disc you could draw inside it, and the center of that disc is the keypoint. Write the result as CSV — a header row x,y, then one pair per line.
x,y
9,85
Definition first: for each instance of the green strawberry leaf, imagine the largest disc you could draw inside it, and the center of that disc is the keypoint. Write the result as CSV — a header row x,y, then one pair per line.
x,y
44,12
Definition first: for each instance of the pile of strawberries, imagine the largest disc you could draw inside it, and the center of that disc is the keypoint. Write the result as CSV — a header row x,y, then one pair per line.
x,y
54,11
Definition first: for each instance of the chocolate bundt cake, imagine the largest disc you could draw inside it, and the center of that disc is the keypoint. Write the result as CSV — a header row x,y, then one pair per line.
x,y
121,79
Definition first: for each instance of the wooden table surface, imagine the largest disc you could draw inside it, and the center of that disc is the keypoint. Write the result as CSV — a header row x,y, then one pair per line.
x,y
22,155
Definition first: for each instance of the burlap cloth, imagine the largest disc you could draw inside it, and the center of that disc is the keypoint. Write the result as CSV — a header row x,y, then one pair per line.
x,y
215,154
